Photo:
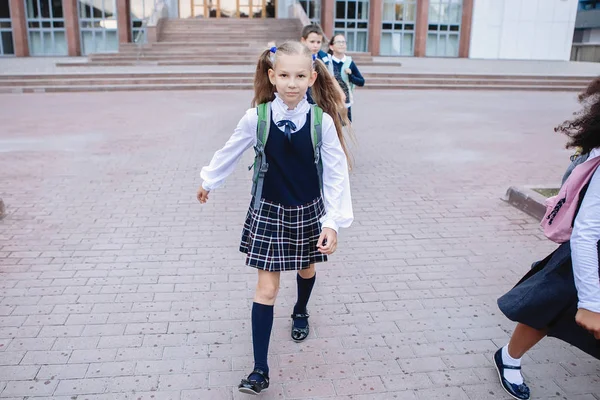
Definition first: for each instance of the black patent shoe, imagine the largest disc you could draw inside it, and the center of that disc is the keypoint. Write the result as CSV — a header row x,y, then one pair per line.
x,y
519,392
299,334
252,386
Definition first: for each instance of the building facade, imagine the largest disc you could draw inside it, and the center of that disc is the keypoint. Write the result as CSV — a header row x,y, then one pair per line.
x,y
496,29
587,24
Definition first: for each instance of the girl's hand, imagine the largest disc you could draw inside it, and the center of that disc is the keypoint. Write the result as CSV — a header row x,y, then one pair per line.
x,y
202,195
348,71
327,241
589,321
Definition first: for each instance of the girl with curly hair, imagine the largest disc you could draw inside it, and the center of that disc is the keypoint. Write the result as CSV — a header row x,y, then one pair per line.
x,y
560,296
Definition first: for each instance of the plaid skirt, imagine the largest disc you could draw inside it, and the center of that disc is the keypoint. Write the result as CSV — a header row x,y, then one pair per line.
x,y
282,238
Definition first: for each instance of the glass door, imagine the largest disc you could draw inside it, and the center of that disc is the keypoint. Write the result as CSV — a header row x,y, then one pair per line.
x,y
232,8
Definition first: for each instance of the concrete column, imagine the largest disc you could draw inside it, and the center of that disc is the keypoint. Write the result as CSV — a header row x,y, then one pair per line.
x,y
465,29
72,27
18,19
375,14
124,21
421,27
327,16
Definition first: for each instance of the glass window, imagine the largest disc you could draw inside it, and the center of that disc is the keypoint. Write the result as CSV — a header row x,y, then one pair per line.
x,y
398,27
443,32
6,37
98,26
46,28
4,10
312,9
352,21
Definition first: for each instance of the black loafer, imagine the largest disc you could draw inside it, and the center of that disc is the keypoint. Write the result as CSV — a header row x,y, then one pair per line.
x,y
299,334
252,386
519,392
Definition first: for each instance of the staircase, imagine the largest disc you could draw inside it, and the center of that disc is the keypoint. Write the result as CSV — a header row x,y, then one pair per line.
x,y
185,44
94,82
206,42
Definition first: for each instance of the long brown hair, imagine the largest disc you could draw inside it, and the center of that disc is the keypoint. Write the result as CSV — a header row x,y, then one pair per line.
x,y
325,91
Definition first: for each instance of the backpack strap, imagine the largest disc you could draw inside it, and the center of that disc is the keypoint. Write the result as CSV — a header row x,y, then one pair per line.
x,y
345,66
316,124
330,65
260,160
346,78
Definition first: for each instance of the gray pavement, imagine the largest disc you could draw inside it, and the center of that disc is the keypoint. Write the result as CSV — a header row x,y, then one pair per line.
x,y
116,284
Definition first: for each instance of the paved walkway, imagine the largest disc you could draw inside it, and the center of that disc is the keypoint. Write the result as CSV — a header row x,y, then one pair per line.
x,y
47,65
116,284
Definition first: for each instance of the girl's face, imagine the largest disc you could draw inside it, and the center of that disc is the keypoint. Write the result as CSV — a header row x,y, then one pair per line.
x,y
292,76
339,45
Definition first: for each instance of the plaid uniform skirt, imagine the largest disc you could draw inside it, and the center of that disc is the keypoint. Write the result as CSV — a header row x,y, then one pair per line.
x,y
282,238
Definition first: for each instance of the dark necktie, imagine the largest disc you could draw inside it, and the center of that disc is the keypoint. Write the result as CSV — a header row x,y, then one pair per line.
x,y
289,126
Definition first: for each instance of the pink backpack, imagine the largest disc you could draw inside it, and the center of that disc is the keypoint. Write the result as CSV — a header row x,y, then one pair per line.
x,y
562,208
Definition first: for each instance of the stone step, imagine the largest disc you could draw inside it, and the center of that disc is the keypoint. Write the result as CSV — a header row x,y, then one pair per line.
x,y
249,57
233,38
204,38
248,87
249,75
372,83
236,29
229,34
234,23
177,53
199,44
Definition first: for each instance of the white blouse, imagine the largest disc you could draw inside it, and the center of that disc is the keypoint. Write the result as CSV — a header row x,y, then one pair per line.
x,y
336,182
584,245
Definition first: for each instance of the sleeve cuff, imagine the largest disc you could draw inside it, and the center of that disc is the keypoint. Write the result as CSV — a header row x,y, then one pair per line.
x,y
329,223
206,186
590,306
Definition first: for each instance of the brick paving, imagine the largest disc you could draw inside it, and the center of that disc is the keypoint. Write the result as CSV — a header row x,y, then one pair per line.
x,y
117,285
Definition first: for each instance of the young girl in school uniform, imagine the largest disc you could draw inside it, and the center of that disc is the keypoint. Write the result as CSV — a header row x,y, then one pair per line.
x,y
293,219
560,296
344,69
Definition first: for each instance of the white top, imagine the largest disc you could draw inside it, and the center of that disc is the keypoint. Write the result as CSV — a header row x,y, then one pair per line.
x,y
336,182
584,245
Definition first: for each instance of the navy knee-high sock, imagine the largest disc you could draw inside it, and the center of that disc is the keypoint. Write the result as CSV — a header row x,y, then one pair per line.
x,y
305,287
262,323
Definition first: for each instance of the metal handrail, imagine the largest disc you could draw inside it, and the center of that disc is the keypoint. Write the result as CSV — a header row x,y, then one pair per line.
x,y
139,38
143,31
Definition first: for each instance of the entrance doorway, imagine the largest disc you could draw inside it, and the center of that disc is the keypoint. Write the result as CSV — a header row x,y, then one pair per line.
x,y
233,8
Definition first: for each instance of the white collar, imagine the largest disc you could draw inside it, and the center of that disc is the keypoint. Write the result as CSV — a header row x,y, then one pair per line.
x,y
337,60
281,110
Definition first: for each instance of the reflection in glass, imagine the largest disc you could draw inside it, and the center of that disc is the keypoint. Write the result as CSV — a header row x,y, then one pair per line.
x,y
398,25
98,24
45,26
340,9
6,44
444,28
4,10
228,8
351,10
352,20
312,9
